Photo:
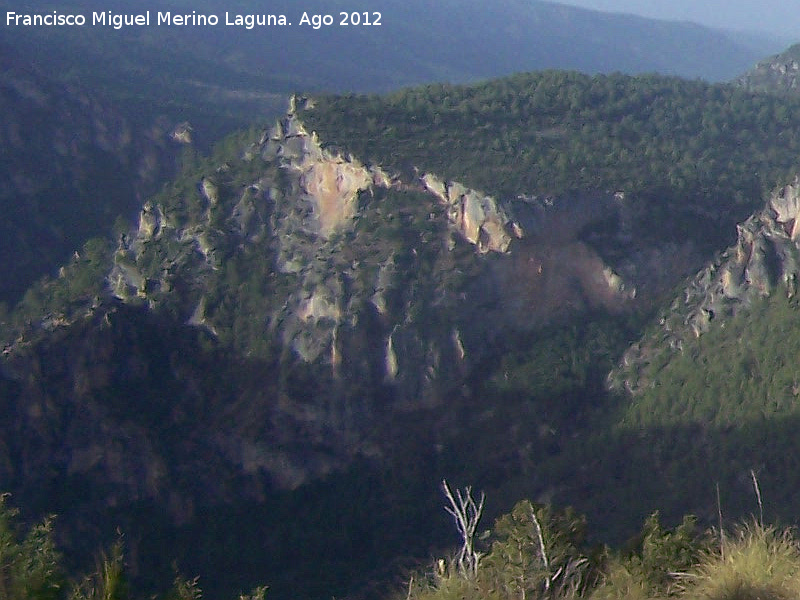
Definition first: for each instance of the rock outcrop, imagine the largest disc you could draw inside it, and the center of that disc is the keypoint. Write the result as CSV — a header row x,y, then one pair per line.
x,y
322,296
328,183
779,73
478,217
764,260
71,163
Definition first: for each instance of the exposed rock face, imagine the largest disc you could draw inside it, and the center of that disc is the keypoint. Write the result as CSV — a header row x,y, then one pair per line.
x,y
329,183
182,133
478,217
779,73
786,206
764,259
318,295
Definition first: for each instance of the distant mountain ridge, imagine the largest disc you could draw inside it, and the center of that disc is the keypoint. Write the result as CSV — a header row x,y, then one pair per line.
x,y
219,78
417,42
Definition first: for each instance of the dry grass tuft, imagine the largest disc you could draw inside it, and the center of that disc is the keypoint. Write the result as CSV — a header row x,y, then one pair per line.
x,y
758,563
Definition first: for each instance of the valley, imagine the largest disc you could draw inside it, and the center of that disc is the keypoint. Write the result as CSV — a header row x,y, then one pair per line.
x,y
258,355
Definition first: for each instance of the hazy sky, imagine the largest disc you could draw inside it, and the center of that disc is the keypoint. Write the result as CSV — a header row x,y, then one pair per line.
x,y
779,16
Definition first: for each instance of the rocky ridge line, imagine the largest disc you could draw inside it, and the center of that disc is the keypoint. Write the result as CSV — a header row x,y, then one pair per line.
x,y
779,73
764,259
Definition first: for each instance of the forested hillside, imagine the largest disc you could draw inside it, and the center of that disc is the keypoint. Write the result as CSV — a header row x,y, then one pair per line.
x,y
684,153
379,292
219,77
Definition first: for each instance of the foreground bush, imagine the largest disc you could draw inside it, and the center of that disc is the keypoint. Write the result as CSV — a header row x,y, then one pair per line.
x,y
30,568
656,564
536,553
29,563
757,563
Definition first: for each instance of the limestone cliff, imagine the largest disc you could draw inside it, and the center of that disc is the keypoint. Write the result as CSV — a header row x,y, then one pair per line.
x,y
362,295
478,217
329,184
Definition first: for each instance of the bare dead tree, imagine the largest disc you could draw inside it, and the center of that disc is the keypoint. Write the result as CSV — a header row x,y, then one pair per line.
x,y
542,551
466,513
758,497
721,530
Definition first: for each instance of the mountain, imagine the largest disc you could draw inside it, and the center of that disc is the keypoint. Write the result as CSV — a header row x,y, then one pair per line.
x,y
305,332
762,263
71,163
232,73
119,94
264,373
715,370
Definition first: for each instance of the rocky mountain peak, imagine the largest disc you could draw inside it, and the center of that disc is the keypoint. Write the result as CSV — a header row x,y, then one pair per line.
x,y
328,182
366,292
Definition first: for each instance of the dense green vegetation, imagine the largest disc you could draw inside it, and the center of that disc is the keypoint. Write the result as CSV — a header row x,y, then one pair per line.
x,y
728,400
687,154
31,568
538,553
691,158
745,370
533,552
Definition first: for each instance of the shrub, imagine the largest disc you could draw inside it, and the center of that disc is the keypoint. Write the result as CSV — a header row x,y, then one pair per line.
x,y
622,584
538,553
758,563
29,563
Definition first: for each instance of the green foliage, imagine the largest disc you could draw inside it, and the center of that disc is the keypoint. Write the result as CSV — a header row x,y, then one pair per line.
x,y
55,299
30,569
29,563
754,563
185,589
558,366
450,587
757,563
664,553
655,566
672,145
108,582
260,593
536,553
747,371
620,583
539,553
